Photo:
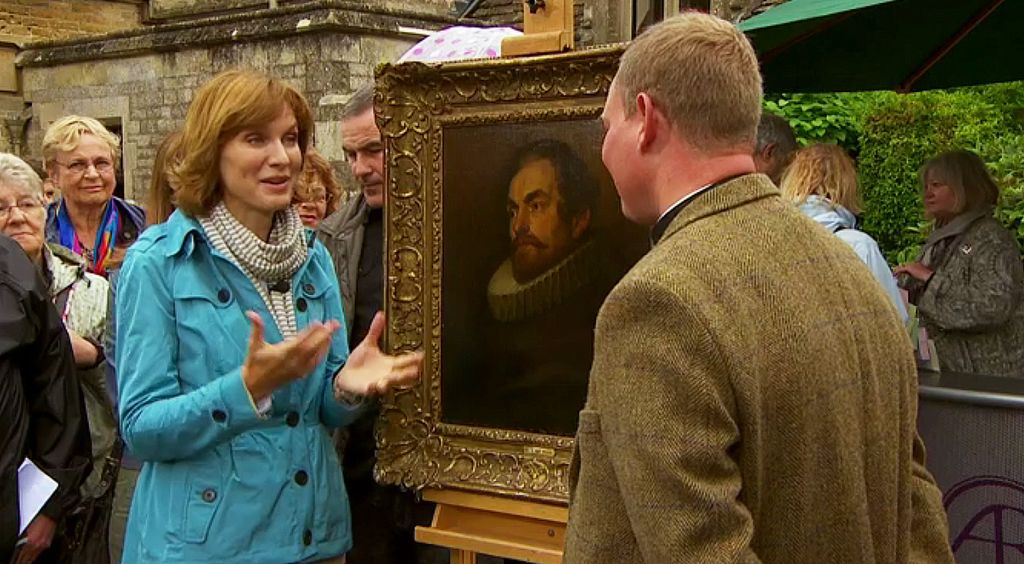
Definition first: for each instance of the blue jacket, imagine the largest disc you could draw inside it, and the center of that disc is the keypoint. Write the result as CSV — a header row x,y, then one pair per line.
x,y
843,223
218,483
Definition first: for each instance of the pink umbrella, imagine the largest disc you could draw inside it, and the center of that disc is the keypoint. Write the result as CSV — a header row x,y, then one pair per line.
x,y
459,43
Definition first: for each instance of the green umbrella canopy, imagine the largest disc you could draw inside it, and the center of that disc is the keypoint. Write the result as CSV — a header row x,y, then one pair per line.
x,y
904,45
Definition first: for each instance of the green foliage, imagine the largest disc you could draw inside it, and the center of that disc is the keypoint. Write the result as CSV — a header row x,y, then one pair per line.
x,y
892,135
820,118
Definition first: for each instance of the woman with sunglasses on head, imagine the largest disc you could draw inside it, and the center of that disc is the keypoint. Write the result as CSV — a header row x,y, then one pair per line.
x,y
81,159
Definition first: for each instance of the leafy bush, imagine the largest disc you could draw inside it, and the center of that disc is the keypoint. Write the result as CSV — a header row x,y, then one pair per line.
x,y
892,135
901,132
821,118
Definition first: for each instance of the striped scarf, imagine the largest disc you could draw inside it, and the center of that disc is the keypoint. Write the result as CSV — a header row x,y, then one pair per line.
x,y
265,263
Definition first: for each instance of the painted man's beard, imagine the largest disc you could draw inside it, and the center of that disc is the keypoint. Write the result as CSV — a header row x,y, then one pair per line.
x,y
527,258
531,257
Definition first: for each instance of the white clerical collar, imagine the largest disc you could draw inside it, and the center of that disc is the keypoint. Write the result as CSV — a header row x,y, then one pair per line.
x,y
685,199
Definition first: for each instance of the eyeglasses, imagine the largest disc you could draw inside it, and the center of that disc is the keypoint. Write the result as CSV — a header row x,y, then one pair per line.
x,y
79,167
27,207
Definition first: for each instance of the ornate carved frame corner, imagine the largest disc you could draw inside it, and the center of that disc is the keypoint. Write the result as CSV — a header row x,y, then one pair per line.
x,y
415,104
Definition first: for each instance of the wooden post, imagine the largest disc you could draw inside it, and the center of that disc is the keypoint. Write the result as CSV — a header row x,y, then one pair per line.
x,y
548,27
470,524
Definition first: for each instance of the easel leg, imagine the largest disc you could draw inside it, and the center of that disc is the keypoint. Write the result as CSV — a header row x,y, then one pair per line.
x,y
463,556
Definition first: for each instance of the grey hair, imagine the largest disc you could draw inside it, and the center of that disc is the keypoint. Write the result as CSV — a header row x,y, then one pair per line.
x,y
360,101
775,129
16,172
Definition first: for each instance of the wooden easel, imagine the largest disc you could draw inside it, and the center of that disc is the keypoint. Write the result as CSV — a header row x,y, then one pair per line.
x,y
469,524
548,27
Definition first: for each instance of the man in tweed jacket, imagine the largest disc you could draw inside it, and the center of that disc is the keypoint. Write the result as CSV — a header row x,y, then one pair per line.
x,y
753,396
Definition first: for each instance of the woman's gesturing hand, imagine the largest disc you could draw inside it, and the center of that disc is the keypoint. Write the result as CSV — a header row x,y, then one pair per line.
x,y
268,367
369,371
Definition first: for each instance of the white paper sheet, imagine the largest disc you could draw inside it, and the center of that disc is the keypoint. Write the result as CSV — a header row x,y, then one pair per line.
x,y
34,489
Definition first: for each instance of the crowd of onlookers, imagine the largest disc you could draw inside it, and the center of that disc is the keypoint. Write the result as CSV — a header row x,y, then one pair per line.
x,y
967,283
202,348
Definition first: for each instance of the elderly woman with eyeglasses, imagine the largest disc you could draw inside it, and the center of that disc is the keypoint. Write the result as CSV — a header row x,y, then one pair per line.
x,y
81,158
80,298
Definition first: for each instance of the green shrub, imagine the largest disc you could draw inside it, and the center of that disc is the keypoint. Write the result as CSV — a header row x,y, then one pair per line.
x,y
892,135
821,118
900,133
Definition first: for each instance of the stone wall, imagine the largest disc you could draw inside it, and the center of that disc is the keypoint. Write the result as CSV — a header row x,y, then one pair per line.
x,y
160,10
22,21
143,81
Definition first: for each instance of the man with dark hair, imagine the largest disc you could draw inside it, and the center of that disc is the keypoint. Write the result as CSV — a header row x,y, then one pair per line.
x,y
775,146
544,298
551,199
40,405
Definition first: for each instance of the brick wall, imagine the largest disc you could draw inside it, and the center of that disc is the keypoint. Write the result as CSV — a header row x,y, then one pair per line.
x,y
22,21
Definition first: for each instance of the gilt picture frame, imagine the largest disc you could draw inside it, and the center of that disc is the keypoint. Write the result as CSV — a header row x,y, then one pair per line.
x,y
465,150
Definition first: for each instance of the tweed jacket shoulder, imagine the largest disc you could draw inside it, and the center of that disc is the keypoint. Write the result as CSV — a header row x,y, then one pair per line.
x,y
753,398
972,306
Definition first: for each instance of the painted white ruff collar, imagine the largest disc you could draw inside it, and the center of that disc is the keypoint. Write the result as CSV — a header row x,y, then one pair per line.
x,y
511,301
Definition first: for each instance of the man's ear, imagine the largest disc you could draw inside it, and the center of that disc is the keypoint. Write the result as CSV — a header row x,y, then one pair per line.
x,y
649,121
768,152
580,224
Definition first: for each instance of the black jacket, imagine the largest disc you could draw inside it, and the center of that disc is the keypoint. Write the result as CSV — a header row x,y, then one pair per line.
x,y
41,410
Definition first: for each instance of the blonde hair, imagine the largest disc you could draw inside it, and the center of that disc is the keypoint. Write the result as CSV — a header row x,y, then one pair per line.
x,y
822,170
317,170
66,133
160,199
16,172
966,174
703,74
228,103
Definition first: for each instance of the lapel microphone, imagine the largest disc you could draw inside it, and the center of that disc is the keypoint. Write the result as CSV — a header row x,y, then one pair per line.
x,y
281,287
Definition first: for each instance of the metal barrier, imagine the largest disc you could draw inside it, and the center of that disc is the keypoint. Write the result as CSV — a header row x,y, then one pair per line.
x,y
973,430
